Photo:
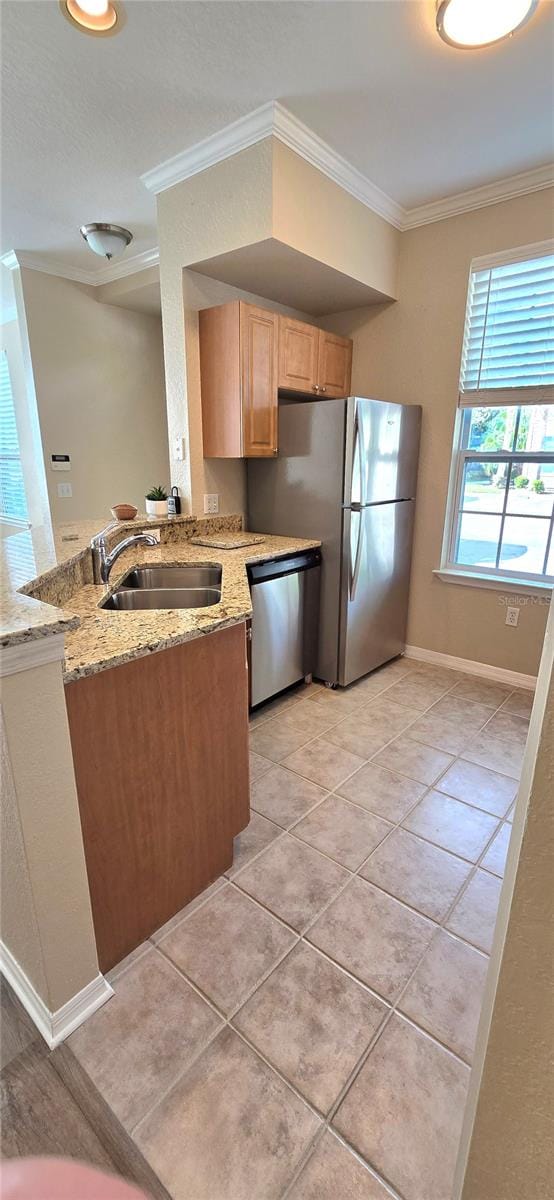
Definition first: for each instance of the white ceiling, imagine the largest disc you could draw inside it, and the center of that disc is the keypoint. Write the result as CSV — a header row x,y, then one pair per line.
x,y
84,117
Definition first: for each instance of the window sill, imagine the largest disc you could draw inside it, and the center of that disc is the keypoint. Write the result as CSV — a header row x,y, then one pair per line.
x,y
496,583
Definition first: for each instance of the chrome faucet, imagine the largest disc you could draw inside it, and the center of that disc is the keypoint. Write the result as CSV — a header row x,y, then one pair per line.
x,y
103,562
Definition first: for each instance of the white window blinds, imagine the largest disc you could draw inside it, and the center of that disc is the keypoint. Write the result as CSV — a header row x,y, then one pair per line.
x,y
13,503
508,350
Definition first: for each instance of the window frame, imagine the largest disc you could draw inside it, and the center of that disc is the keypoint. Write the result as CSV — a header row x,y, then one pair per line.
x,y
461,456
520,397
14,457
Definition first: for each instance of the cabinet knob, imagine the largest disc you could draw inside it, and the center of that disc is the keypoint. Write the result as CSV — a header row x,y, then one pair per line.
x,y
315,387
322,389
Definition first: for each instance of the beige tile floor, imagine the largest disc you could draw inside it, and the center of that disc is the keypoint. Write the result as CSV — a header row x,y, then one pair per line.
x,y
304,1028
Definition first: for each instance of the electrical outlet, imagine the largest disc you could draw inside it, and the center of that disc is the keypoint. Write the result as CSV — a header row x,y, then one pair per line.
x,y
512,616
179,449
65,490
211,504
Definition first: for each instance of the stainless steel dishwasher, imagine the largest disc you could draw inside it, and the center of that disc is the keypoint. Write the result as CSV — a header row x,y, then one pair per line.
x,y
285,613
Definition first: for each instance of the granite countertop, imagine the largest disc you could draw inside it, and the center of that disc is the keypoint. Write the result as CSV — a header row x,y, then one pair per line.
x,y
54,562
107,638
48,588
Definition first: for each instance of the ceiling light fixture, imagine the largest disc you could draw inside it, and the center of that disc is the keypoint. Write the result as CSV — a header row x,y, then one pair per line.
x,y
93,16
469,24
106,240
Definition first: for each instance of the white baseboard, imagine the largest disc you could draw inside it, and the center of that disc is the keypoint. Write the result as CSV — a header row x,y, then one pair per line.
x,y
53,1026
500,674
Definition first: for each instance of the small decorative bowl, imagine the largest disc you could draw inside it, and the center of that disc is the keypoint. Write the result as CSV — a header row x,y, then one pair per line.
x,y
124,512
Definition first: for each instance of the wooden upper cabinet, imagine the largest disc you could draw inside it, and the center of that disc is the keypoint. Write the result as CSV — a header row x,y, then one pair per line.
x,y
312,360
334,368
238,380
259,363
298,355
246,354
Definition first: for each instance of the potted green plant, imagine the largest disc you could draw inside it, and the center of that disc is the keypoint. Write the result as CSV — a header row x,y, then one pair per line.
x,y
156,502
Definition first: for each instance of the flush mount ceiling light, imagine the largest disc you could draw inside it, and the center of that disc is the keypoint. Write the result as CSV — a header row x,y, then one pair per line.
x,y
106,240
472,23
93,16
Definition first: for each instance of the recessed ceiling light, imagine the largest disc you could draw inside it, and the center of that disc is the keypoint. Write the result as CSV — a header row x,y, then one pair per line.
x,y
106,240
93,16
472,23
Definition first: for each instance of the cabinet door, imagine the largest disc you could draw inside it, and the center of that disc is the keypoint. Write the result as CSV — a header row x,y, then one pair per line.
x,y
334,364
298,350
259,363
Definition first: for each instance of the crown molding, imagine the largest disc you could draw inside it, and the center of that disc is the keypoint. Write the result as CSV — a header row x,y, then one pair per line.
x,y
239,135
309,146
127,266
272,120
9,260
14,259
481,197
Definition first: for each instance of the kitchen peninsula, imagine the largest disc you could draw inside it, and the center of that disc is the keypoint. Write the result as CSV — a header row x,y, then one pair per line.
x,y
157,702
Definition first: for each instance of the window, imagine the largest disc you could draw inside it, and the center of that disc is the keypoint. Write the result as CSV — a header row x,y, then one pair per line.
x,y
13,501
501,502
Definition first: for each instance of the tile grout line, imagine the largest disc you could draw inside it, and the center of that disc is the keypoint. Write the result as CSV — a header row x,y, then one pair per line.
x,y
390,1010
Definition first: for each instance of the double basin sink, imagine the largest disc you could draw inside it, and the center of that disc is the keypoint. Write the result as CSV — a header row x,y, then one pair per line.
x,y
167,587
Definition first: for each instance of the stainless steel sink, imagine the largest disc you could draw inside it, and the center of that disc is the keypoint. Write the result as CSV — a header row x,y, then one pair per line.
x,y
173,577
176,597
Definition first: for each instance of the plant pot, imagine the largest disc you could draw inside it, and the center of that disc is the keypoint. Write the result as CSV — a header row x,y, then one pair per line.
x,y
156,508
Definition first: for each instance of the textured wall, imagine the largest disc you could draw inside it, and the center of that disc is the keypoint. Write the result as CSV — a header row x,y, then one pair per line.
x,y
263,192
410,352
317,217
18,923
99,382
47,918
511,1153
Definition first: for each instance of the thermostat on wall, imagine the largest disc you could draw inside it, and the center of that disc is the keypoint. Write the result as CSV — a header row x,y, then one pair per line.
x,y
61,462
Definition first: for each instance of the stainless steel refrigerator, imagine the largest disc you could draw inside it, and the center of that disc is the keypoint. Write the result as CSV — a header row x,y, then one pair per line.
x,y
346,474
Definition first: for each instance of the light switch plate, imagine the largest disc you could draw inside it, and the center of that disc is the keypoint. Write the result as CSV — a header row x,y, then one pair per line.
x,y
65,490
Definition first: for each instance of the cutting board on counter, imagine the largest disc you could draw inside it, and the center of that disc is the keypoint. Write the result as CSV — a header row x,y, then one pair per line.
x,y
229,541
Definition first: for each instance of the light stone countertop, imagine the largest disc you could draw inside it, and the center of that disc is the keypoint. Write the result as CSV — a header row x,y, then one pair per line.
x,y
107,638
57,573
41,566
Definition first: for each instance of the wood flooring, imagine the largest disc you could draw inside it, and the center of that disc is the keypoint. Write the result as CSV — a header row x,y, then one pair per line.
x,y
49,1106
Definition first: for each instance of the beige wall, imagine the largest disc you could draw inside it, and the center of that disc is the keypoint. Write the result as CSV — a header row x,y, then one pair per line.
x,y
46,919
99,382
316,216
410,352
228,205
264,192
511,1151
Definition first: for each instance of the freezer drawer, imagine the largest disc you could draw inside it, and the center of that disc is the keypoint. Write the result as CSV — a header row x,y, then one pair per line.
x,y
285,610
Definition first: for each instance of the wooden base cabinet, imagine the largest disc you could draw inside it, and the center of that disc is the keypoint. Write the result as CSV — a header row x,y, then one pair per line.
x,y
160,747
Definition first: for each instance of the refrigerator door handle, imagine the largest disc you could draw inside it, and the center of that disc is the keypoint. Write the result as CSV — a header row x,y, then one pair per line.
x,y
355,573
358,453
